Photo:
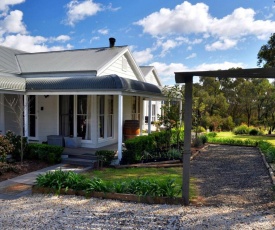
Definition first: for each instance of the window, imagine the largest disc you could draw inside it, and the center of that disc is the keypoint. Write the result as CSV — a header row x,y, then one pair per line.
x,y
83,110
135,108
106,116
32,116
110,116
101,110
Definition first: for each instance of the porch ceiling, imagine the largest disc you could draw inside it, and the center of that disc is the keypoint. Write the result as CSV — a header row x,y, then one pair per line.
x,y
91,84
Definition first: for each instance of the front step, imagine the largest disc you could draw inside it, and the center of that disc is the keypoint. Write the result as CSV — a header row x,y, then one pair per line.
x,y
82,159
82,162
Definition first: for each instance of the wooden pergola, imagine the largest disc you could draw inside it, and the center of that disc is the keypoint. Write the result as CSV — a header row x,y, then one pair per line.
x,y
187,78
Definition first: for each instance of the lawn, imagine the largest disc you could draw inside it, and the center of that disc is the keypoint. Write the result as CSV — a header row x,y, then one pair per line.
x,y
158,174
231,135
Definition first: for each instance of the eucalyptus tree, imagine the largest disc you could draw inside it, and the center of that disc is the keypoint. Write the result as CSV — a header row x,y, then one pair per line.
x,y
266,54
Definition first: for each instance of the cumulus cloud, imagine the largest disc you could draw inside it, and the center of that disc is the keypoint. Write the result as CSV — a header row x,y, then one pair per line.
x,y
214,66
186,19
224,44
62,38
4,4
143,56
78,11
192,55
13,23
103,31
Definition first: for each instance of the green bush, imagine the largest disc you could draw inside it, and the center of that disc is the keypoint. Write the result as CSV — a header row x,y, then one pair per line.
x,y
199,129
211,134
255,132
15,140
44,152
203,138
6,147
106,156
242,129
174,154
136,147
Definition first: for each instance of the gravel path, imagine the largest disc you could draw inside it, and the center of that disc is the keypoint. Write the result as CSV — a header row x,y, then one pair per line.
x,y
232,175
249,185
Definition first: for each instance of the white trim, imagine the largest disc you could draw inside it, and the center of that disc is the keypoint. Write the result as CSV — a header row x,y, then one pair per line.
x,y
120,126
149,115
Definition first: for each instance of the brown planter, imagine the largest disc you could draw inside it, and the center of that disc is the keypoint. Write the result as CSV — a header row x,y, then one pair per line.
x,y
114,196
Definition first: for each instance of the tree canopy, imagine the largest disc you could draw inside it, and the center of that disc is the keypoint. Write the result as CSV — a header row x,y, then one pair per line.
x,y
266,55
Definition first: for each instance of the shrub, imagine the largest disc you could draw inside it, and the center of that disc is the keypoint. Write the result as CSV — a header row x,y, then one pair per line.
x,y
270,154
106,156
15,140
254,132
174,154
200,129
211,134
44,152
197,142
242,129
203,138
135,148
6,147
5,167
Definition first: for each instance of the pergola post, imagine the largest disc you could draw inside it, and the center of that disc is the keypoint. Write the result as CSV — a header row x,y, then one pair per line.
x,y
187,139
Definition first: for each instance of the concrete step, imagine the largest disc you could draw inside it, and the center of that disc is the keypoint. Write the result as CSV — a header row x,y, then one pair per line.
x,y
80,161
81,156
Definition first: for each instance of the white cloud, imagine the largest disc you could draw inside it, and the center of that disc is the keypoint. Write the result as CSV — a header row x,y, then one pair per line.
x,y
167,71
103,31
185,18
221,45
218,66
13,23
62,38
167,45
196,19
4,4
78,11
30,43
192,55
143,56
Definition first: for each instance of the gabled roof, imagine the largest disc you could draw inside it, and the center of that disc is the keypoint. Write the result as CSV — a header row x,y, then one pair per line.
x,y
147,70
68,61
8,62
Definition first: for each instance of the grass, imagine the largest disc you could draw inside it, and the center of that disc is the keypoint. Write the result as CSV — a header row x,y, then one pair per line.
x,y
158,174
231,135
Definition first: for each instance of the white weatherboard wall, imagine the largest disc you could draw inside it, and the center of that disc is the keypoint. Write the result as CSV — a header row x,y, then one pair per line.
x,y
150,78
2,121
47,117
122,68
10,117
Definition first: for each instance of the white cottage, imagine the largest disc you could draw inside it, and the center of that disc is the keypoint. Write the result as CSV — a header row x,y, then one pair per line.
x,y
85,94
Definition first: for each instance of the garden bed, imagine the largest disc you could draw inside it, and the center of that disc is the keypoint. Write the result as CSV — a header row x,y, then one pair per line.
x,y
114,196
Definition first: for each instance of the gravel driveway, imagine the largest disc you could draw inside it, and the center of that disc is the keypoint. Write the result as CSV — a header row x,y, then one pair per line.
x,y
234,186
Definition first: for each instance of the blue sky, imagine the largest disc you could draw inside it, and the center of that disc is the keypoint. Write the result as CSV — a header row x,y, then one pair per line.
x,y
172,35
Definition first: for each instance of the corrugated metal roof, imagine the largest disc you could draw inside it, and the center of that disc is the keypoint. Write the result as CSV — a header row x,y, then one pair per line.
x,y
103,83
12,83
8,62
67,61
